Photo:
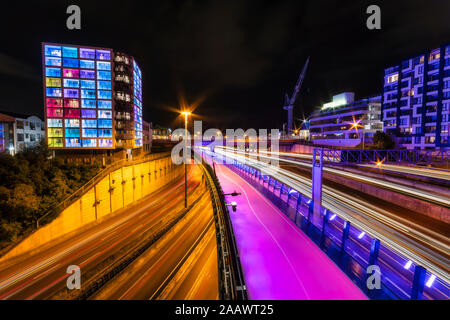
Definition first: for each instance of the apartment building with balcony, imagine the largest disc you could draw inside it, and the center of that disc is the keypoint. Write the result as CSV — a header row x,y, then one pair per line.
x,y
416,100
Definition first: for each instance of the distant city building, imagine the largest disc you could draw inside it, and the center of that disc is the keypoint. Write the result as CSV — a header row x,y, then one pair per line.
x,y
161,133
19,132
344,122
416,100
147,132
92,98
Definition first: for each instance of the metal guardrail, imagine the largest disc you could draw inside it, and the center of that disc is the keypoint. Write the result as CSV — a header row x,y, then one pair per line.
x,y
231,279
47,217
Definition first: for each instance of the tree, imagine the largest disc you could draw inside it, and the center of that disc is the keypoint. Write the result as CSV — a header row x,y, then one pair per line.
x,y
383,141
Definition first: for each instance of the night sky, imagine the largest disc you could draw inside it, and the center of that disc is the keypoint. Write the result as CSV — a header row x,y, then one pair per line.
x,y
237,58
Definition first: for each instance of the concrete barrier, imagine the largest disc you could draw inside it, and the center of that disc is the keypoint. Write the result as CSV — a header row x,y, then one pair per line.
x,y
117,190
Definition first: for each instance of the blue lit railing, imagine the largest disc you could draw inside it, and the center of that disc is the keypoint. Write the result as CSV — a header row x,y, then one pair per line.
x,y
350,248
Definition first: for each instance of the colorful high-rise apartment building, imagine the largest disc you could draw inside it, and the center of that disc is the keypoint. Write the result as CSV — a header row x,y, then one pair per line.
x,y
92,98
416,100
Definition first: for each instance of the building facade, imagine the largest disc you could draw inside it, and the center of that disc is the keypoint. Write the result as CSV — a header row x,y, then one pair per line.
x,y
416,100
92,98
19,132
344,122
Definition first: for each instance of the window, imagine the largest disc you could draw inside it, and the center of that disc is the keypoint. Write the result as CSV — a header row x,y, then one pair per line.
x,y
104,85
54,102
54,123
72,132
90,94
89,133
104,114
32,126
72,113
87,64
71,103
71,83
104,94
54,112
91,143
87,74
87,84
71,73
105,132
19,124
89,123
68,62
53,92
55,142
88,103
103,65
103,55
87,53
71,93
73,142
72,123
54,51
88,113
392,78
20,137
55,132
104,123
53,82
104,104
103,75
105,143
55,62
70,52
52,72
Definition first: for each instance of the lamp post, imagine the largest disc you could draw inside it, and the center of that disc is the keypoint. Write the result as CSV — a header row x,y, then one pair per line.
x,y
186,114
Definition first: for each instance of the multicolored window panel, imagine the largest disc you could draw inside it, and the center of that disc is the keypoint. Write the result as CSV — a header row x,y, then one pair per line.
x,y
78,96
137,92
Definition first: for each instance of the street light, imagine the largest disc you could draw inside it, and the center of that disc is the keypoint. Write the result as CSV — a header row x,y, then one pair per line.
x,y
185,114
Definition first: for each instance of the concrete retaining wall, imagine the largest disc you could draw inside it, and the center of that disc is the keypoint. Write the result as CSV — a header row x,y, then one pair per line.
x,y
117,190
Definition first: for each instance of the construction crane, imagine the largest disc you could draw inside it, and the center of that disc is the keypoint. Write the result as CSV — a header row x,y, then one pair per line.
x,y
289,101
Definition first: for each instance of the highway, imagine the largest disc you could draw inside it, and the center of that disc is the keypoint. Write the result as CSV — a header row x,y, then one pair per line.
x,y
278,260
43,275
421,245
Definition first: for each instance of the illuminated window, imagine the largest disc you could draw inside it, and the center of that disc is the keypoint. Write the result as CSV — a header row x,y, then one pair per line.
x,y
70,52
54,123
52,72
104,94
393,78
88,94
88,113
71,83
68,62
54,102
53,82
91,143
88,103
103,75
104,114
72,132
72,123
54,112
87,53
90,133
71,103
55,142
87,64
104,85
104,123
55,132
87,84
51,61
89,123
103,55
87,74
411,92
72,113
71,73
104,104
53,92
105,142
103,65
71,93
73,142
105,132
54,51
